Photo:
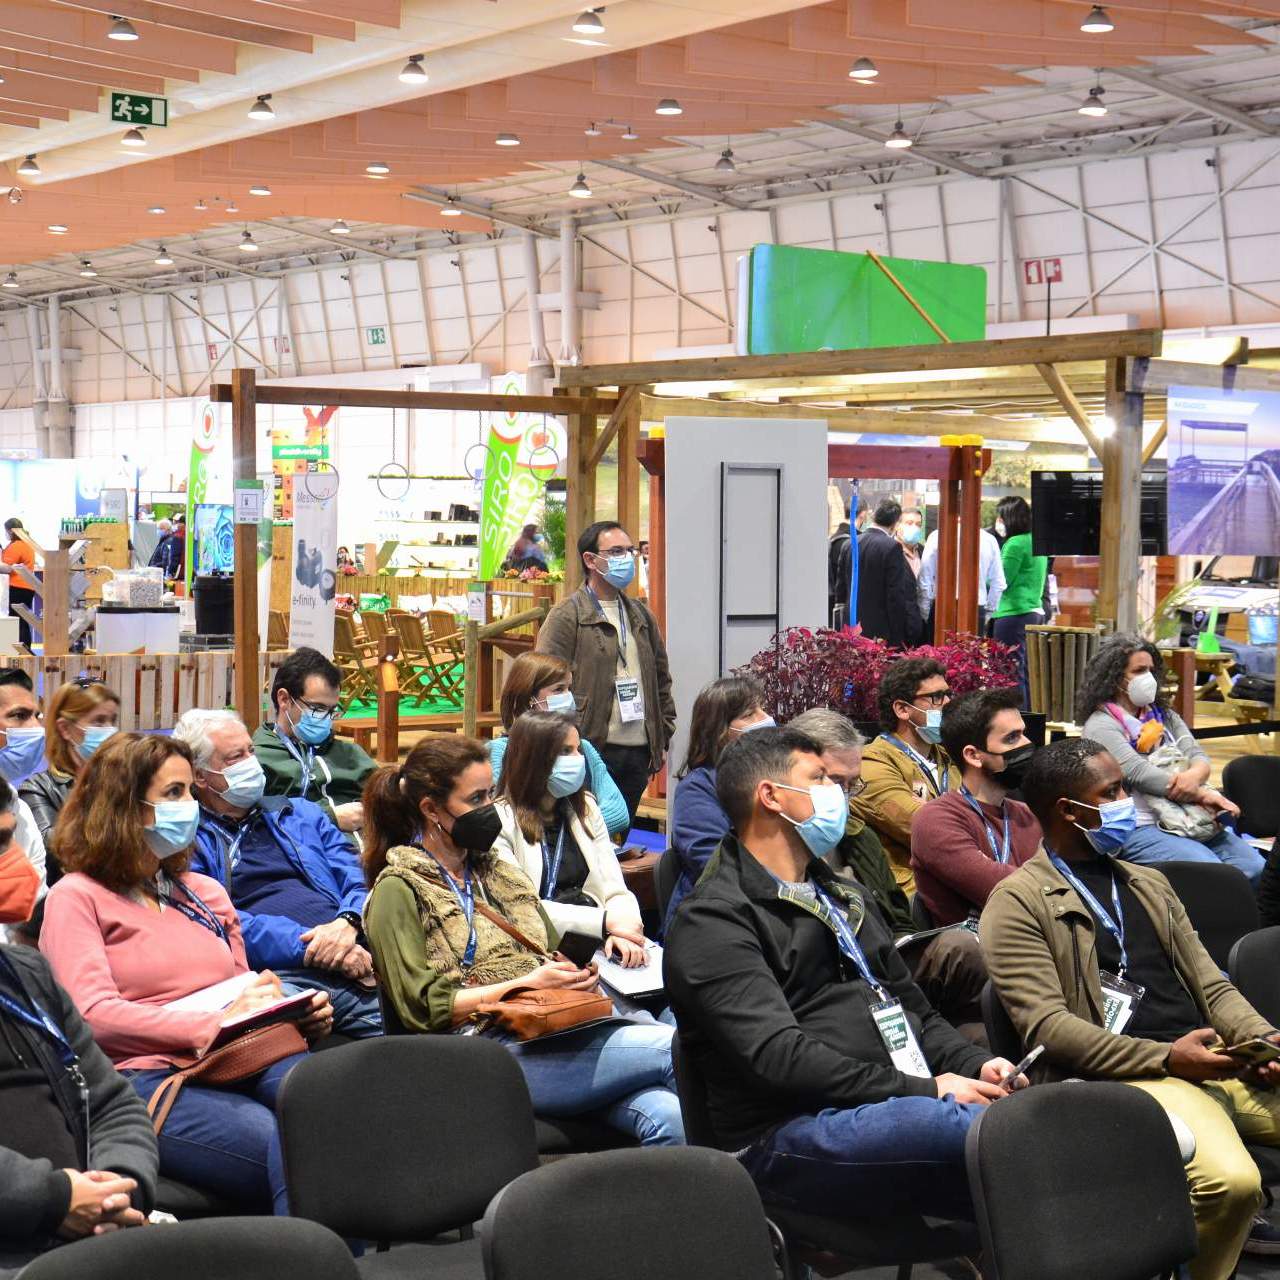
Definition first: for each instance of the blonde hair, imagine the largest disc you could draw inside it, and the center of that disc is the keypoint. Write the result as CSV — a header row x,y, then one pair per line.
x,y
71,702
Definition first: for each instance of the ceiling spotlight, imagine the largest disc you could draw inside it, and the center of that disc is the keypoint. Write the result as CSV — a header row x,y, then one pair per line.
x,y
580,188
591,131
247,243
668,107
340,228
59,228
163,259
28,168
11,280
259,189
863,69
725,164
15,195
378,169
134,138
1098,23
200,205
413,71
899,139
232,207
1093,105
631,135
87,269
507,140
450,208
588,22
156,208
121,29
262,108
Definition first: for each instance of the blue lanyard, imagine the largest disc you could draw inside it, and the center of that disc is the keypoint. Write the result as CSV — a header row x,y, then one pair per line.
x,y
924,765
304,764
1003,853
850,947
195,909
467,901
1113,925
39,1020
551,865
622,625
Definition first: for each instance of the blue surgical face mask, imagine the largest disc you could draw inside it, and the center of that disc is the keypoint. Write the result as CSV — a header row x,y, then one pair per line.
x,y
312,727
567,775
175,827
245,782
94,736
22,754
912,533
1119,820
825,829
931,730
561,703
620,571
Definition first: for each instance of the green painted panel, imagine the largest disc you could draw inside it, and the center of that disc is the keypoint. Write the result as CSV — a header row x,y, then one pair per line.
x,y
811,299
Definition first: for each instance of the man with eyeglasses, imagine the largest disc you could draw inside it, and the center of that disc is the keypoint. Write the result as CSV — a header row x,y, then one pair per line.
x,y
905,767
298,750
620,675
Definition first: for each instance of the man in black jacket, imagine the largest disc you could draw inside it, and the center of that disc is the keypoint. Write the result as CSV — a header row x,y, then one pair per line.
x,y
827,1071
887,607
77,1152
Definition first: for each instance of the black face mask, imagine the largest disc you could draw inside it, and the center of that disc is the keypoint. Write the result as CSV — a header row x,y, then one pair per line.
x,y
476,830
1016,763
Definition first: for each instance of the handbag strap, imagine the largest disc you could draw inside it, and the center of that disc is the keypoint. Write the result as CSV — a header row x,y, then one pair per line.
x,y
510,930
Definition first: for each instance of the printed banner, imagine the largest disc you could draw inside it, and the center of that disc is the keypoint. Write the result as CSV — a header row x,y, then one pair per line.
x,y
298,449
315,562
208,474
1224,472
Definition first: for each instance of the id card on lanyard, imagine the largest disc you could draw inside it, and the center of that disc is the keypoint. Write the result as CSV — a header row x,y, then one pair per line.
x,y
626,687
936,784
465,894
551,863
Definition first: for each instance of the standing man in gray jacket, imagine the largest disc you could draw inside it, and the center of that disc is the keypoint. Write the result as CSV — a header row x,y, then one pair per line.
x,y
621,679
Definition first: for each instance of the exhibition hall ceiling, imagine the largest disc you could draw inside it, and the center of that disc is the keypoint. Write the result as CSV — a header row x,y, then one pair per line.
x,y
303,129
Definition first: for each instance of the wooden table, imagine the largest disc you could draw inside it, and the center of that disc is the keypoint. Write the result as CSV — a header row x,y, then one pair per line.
x,y
638,873
363,729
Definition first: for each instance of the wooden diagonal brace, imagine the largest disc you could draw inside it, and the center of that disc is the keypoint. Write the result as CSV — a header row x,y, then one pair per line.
x,y
623,407
1070,405
902,289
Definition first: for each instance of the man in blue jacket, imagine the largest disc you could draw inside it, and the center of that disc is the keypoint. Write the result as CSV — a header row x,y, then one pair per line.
x,y
290,873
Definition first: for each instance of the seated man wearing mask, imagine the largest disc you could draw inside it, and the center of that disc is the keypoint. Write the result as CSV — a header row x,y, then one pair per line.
x,y
1094,958
298,750
21,754
289,872
826,1069
905,767
965,842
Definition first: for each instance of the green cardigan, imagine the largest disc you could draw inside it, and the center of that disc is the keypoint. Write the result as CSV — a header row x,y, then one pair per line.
x,y
1024,576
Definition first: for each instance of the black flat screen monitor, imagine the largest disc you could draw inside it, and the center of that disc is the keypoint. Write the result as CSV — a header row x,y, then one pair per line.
x,y
1066,513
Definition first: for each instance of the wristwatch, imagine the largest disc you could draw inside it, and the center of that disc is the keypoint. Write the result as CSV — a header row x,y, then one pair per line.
x,y
353,919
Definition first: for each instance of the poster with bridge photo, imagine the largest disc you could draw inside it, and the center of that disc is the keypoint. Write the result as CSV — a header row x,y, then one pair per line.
x,y
1224,472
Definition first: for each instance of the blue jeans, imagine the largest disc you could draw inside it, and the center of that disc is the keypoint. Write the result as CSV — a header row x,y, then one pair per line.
x,y
225,1140
355,1008
1012,630
621,1070
903,1155
1151,846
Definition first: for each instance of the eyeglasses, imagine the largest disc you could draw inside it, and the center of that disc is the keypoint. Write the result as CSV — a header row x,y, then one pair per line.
x,y
856,787
938,699
617,553
331,713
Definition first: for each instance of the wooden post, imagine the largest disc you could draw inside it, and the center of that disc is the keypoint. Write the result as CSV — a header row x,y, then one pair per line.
x,y
629,474
970,518
55,620
1121,543
244,449
389,702
471,677
580,508
945,598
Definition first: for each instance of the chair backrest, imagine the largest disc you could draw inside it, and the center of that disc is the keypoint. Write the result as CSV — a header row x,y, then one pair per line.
x,y
1254,966
375,625
263,1248
443,624
1002,1035
277,629
413,642
344,636
921,916
1253,782
403,1137
691,1089
596,1216
666,871
1220,903
1079,1179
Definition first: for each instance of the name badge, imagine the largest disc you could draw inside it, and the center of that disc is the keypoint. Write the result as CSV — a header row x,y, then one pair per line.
x,y
904,1050
1119,1001
630,701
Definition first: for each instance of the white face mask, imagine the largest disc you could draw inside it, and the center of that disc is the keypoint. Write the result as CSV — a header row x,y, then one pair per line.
x,y
999,527
1142,689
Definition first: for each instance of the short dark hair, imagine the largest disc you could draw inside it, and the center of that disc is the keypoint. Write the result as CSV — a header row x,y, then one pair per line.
x,y
14,523
6,794
1016,514
900,682
863,505
966,720
1062,768
294,670
16,675
590,539
887,513
763,753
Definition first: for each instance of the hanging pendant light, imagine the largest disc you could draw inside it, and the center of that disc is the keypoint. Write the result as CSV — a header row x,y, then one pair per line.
x,y
726,163
247,243
163,259
580,189
413,72
11,280
87,269
259,189
378,169
29,168
507,140
668,107
121,29
450,208
1098,23
588,23
134,138
631,135
340,228
899,139
262,108
1093,105
864,69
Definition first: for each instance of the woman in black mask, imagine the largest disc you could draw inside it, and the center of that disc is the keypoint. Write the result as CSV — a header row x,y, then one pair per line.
x,y
453,928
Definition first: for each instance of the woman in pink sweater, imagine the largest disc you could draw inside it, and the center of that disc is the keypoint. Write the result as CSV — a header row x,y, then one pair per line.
x,y
130,930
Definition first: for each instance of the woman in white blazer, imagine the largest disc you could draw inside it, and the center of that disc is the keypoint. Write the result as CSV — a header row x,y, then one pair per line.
x,y
553,831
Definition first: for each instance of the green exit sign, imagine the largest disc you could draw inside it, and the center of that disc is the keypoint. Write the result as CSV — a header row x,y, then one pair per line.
x,y
139,108
377,336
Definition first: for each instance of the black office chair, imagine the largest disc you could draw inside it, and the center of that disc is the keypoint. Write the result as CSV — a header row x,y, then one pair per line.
x,y
1002,1035
1254,968
188,1203
666,871
1048,1168
403,1139
899,1240
1219,901
265,1248
1253,782
644,1223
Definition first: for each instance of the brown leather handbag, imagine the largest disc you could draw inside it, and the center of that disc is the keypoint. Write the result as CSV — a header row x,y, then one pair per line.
x,y
530,1013
244,1057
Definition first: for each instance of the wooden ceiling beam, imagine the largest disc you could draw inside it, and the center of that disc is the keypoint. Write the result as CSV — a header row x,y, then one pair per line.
x,y
181,19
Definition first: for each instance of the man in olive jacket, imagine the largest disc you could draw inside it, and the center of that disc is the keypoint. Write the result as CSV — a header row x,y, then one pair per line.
x,y
1095,959
621,679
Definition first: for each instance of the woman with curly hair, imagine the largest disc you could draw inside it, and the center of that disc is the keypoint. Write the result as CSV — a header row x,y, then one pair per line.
x,y
1122,705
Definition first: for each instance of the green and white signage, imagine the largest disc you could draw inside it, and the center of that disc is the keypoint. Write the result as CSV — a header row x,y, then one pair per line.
x,y
139,108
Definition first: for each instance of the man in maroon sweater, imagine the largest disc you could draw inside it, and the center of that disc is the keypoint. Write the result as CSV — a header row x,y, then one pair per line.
x,y
965,842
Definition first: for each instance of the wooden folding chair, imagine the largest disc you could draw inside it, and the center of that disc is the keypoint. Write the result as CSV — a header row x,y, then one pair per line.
x,y
433,664
357,659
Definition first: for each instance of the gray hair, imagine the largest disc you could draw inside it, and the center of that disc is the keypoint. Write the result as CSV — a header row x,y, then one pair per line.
x,y
193,730
830,729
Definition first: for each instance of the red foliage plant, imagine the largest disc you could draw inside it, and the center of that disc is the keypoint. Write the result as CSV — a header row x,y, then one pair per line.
x,y
842,670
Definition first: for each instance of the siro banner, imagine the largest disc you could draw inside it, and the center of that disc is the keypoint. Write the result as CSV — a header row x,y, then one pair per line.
x,y
523,453
315,562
